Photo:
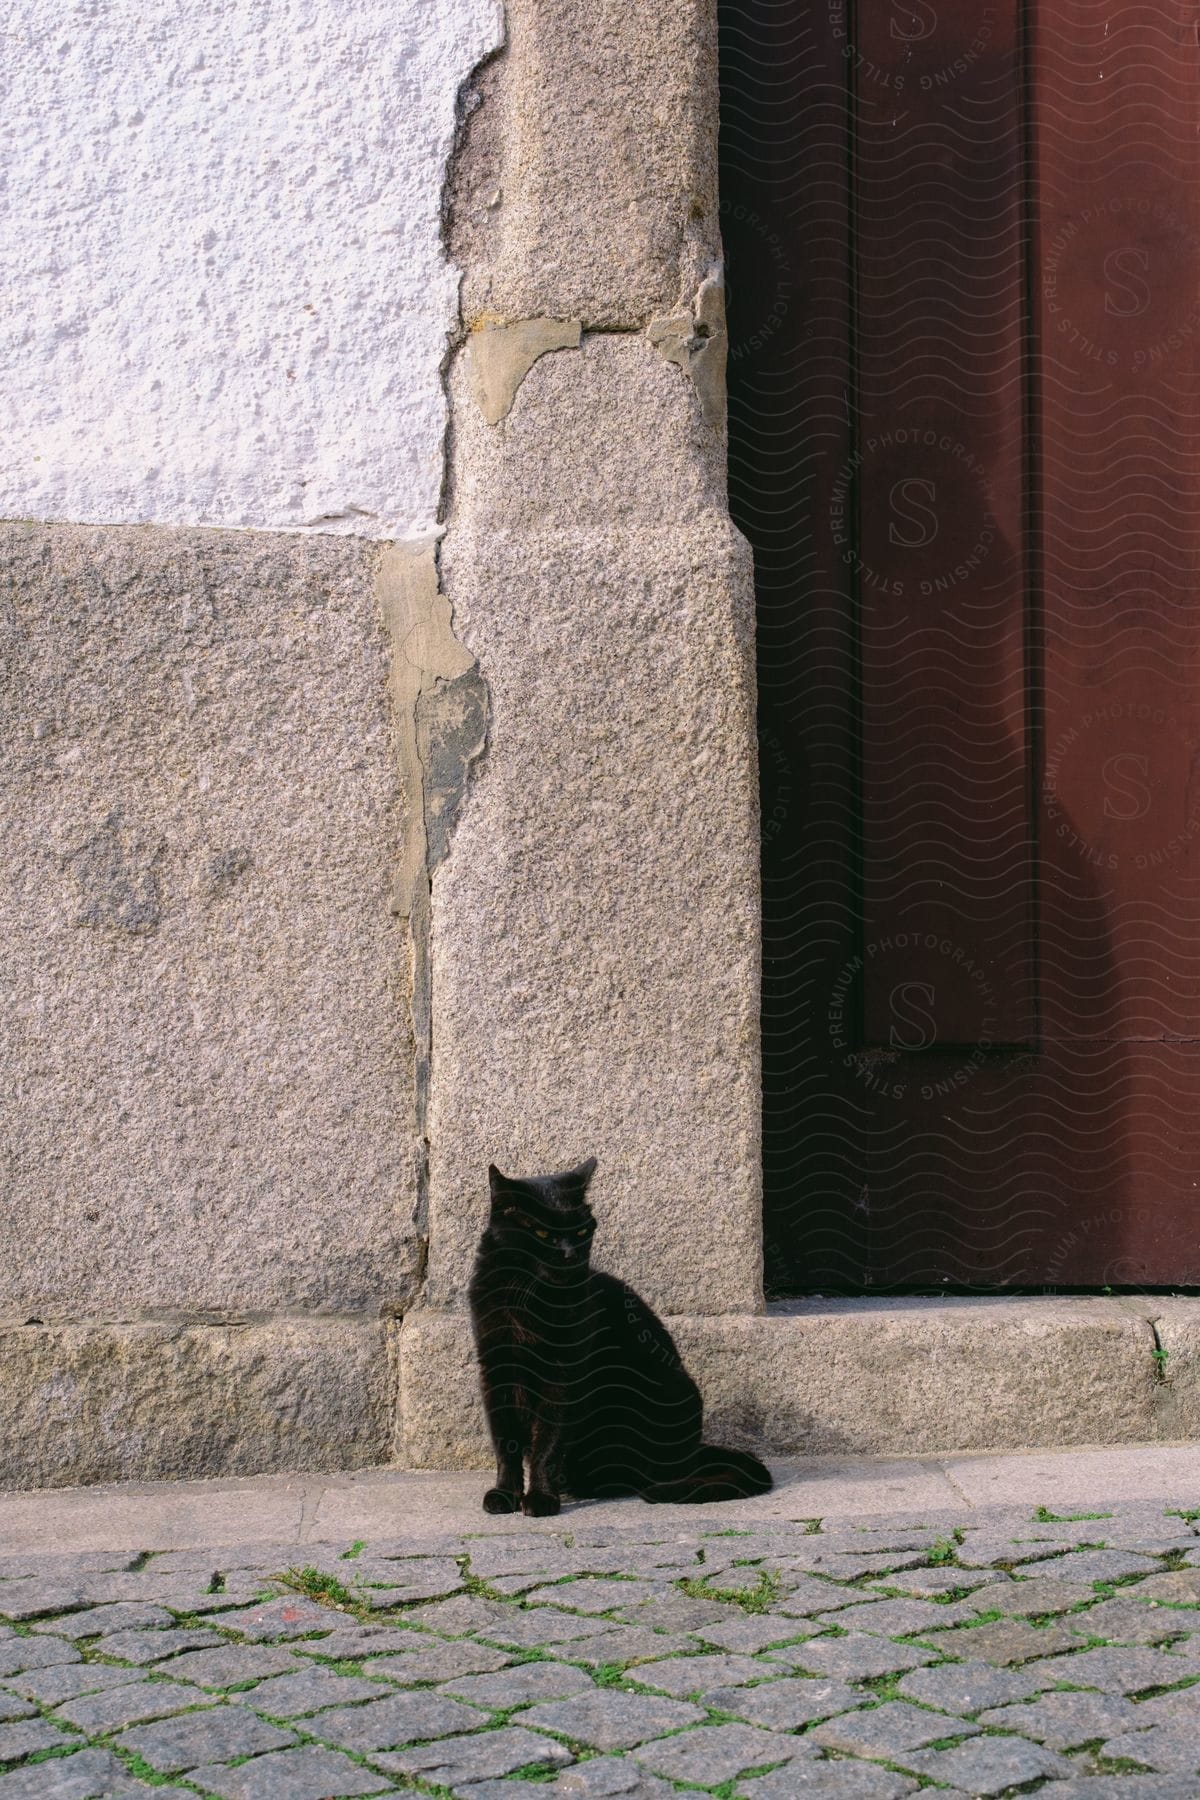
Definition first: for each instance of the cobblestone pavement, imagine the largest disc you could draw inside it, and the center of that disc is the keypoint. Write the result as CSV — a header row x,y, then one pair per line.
x,y
1019,1652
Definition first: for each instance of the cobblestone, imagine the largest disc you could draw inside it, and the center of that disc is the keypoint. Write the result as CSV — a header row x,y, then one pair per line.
x,y
728,1573
987,1765
19,1653
1118,1671
595,1595
921,1582
421,1578
682,1675
27,1735
173,1746
87,1775
1005,1641
904,1618
288,1617
1181,1586
604,1673
65,1680
1064,1721
787,1704
51,1563
1030,1597
433,1661
233,1664
806,1597
291,1696
222,1559
711,1755
544,1626
139,1699
520,1686
887,1730
844,1565
966,1687
829,1781
1095,1565
1133,1622
604,1778
982,1551
460,1616
26,1599
306,1773
349,1643
459,1761
143,1647
1179,1708
626,1644
680,1612
200,1600
1167,1749
750,1634
859,1657
783,1659
1122,1787
607,1719
398,1719
122,1615
37,1598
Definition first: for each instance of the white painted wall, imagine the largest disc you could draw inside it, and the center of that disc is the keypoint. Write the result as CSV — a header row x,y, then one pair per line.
x,y
227,299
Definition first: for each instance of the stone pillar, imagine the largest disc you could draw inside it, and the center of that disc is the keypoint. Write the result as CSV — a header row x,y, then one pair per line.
x,y
594,925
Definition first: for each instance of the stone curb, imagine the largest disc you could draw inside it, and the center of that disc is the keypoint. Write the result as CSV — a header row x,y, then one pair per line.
x,y
877,1377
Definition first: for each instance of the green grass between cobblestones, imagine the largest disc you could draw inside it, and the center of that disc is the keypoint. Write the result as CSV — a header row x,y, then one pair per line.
x,y
758,1593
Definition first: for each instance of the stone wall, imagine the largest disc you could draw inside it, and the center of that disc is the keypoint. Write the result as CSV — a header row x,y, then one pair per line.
x,y
416,827
595,937
232,303
207,1054
227,297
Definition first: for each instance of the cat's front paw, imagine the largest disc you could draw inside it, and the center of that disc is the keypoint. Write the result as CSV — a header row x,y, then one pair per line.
x,y
537,1504
502,1500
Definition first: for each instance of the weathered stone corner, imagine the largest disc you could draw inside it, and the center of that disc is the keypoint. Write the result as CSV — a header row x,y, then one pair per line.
x,y
569,196
697,341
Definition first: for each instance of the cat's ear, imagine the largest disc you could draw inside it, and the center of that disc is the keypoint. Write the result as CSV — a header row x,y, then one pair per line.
x,y
496,1181
583,1174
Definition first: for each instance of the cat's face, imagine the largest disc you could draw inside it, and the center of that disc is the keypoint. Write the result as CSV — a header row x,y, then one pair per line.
x,y
545,1220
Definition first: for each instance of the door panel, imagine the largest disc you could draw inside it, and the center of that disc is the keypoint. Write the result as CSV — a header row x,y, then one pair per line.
x,y
964,261
939,247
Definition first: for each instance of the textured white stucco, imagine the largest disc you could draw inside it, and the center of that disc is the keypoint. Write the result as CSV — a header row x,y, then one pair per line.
x,y
227,297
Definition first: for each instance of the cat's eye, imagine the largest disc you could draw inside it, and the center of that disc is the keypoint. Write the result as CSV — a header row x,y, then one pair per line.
x,y
541,1234
582,1233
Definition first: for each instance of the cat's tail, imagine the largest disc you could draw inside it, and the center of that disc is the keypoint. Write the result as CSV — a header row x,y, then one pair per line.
x,y
716,1474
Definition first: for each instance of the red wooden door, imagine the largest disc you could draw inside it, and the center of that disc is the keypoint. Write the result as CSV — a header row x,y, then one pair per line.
x,y
964,260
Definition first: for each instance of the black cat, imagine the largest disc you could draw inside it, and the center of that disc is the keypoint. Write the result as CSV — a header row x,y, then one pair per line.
x,y
578,1373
